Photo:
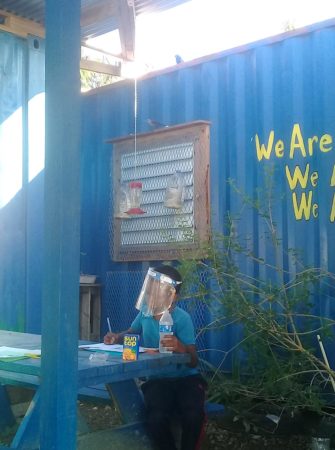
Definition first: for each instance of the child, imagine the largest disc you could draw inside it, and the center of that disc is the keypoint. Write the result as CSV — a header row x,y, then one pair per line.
x,y
181,393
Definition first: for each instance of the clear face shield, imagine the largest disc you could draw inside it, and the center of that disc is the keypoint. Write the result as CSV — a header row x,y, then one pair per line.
x,y
157,293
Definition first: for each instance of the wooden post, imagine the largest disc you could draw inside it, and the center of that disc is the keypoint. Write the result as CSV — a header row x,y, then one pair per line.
x,y
60,305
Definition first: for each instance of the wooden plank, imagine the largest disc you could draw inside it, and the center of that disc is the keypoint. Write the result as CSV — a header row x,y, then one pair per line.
x,y
21,27
90,312
107,372
60,300
95,66
94,394
201,202
25,366
95,315
170,130
19,379
128,400
214,409
126,29
84,311
104,394
126,394
27,436
20,340
197,133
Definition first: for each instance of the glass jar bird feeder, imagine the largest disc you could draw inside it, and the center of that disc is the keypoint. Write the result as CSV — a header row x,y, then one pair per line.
x,y
135,198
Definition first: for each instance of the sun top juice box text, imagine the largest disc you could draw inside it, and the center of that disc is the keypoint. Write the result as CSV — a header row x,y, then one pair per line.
x,y
131,344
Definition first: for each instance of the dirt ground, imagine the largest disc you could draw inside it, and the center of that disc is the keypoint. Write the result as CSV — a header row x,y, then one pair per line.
x,y
220,434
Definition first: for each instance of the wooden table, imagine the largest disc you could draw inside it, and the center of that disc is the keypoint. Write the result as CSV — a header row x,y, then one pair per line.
x,y
117,374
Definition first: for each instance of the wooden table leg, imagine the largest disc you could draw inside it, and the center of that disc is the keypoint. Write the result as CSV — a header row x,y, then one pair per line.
x,y
27,435
128,399
7,418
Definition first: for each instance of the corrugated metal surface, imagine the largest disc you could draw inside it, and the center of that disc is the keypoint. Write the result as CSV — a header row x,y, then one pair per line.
x,y
153,169
147,6
276,86
280,87
32,10
12,205
20,202
35,10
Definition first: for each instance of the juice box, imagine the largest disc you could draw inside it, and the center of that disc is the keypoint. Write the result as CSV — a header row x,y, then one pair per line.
x,y
131,345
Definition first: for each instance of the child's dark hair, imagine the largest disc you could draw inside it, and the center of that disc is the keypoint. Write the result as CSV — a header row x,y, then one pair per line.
x,y
172,273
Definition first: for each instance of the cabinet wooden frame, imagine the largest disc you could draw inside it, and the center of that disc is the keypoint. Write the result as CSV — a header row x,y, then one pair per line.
x,y
198,133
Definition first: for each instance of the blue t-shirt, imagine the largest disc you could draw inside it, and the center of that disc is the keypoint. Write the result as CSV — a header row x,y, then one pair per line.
x,y
183,329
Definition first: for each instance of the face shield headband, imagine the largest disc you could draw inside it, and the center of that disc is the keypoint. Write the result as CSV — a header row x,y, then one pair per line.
x,y
157,293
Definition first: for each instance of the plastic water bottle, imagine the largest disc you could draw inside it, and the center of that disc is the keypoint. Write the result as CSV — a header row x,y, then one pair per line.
x,y
165,328
174,191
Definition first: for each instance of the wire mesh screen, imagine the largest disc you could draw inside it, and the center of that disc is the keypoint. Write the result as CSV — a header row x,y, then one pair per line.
x,y
162,231
122,289
154,166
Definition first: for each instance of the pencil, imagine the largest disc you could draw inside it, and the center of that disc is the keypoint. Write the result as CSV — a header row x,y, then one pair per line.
x,y
109,325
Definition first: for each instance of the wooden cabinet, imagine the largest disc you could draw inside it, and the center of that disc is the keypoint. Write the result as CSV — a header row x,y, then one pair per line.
x,y
89,312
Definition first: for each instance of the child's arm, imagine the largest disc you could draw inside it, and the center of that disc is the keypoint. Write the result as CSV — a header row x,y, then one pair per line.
x,y
175,345
116,338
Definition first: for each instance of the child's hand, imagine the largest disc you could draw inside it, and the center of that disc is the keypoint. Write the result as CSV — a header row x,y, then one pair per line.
x,y
111,338
173,344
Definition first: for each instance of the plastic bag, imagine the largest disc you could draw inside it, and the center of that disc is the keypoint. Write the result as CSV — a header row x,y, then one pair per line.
x,y
123,202
174,192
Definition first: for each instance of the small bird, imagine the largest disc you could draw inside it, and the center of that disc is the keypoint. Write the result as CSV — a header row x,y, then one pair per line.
x,y
178,59
155,124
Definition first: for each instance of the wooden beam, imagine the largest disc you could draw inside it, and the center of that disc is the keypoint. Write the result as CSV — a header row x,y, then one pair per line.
x,y
20,27
99,50
60,301
100,67
126,29
89,16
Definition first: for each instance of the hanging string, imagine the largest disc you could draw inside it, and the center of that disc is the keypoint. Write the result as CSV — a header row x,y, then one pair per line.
x,y
135,186
132,3
135,128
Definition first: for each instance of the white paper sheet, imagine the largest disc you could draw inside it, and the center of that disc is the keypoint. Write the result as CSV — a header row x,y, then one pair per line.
x,y
106,348
12,352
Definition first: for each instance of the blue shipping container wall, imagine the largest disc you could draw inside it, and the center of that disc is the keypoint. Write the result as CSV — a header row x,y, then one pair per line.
x,y
21,181
272,108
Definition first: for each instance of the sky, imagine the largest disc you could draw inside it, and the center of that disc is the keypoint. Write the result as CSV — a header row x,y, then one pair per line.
x,y
202,27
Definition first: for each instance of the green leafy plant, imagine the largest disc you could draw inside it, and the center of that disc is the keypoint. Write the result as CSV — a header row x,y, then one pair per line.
x,y
276,363
92,80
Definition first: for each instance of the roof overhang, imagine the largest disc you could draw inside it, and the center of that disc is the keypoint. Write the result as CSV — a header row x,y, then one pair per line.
x,y
26,17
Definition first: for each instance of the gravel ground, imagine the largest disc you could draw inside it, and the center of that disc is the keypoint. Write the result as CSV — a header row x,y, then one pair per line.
x,y
220,434
99,416
218,437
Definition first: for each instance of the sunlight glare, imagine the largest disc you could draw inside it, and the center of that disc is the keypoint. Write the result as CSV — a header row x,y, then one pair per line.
x,y
10,157
202,27
36,135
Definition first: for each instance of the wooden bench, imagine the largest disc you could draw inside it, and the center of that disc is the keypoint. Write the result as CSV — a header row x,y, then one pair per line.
x,y
100,393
